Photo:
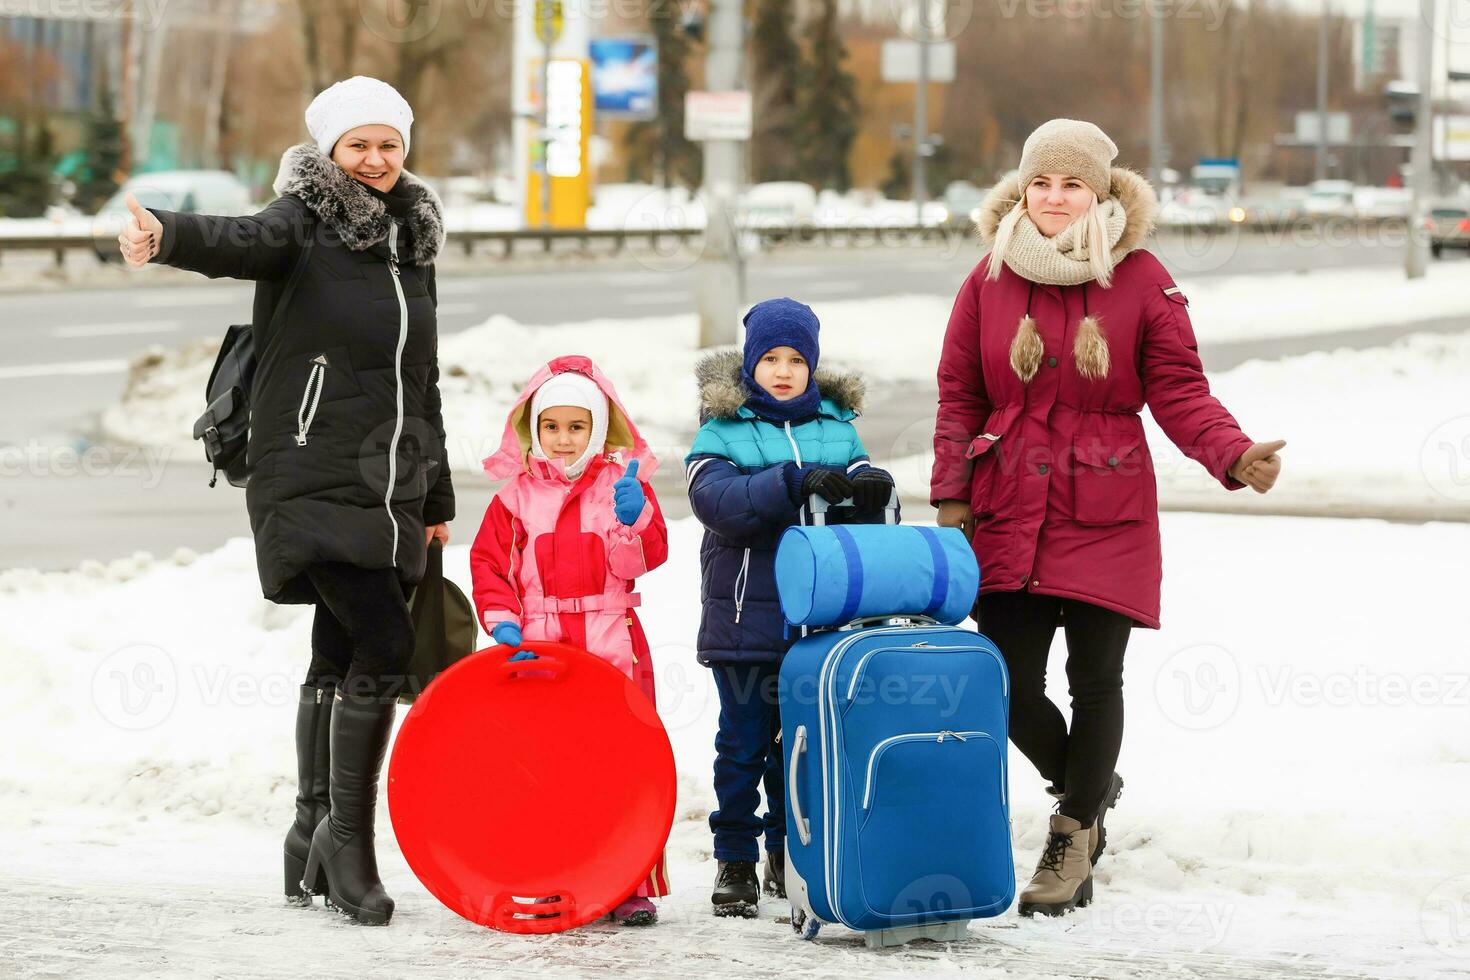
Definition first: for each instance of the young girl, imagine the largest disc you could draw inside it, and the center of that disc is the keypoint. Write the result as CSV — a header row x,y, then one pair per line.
x,y
775,432
538,575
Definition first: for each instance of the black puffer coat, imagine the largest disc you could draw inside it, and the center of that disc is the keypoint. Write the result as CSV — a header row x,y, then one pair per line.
x,y
345,402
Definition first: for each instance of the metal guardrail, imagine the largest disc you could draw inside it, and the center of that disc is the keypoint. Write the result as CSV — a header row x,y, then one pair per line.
x,y
616,240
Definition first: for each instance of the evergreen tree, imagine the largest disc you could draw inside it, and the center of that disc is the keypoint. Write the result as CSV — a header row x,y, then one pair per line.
x,y
827,118
103,147
658,147
26,191
900,180
775,74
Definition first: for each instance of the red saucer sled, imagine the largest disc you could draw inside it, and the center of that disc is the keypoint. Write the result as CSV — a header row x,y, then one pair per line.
x,y
542,779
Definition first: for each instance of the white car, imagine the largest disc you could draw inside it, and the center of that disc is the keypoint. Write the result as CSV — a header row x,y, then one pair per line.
x,y
190,191
778,204
1330,199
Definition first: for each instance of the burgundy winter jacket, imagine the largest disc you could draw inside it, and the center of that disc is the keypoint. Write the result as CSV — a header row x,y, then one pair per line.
x,y
1057,470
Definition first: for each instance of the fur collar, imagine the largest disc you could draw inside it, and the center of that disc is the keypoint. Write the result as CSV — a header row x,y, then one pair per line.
x,y
722,391
344,204
1131,190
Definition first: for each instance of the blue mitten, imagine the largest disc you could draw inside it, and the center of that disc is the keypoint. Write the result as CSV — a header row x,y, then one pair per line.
x,y
628,496
507,633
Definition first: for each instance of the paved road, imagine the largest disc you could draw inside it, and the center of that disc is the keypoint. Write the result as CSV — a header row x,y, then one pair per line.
x,y
62,356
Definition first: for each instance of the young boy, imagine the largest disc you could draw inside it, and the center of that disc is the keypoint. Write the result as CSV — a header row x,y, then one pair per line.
x,y
775,432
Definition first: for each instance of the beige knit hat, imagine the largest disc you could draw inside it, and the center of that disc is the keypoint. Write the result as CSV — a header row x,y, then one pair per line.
x,y
1073,147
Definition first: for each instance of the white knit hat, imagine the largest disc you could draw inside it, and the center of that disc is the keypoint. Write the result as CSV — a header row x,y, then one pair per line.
x,y
570,390
353,102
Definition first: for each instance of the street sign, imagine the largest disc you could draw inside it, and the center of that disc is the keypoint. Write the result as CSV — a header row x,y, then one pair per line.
x,y
1309,128
549,21
717,116
625,76
1452,137
900,62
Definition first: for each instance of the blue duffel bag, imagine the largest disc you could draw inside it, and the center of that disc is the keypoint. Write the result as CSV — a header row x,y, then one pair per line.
x,y
830,576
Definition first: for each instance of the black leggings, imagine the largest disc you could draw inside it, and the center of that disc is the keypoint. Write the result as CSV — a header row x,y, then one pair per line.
x,y
1081,762
362,636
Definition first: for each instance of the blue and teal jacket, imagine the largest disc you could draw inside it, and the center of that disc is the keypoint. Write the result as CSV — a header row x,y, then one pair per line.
x,y
737,488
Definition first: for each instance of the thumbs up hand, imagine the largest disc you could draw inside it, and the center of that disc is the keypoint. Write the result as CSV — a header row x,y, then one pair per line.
x,y
142,236
628,496
1259,466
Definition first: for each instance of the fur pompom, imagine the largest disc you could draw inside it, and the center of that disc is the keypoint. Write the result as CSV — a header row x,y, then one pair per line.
x,y
1026,350
1090,350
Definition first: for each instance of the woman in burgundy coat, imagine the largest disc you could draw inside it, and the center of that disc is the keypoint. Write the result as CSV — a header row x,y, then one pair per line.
x,y
1058,339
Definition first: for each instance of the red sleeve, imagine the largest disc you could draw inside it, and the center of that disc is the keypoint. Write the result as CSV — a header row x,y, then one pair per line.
x,y
494,560
1176,390
642,547
963,404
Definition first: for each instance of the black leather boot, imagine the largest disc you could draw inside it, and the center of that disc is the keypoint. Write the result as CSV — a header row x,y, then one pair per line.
x,y
773,881
737,890
313,779
342,847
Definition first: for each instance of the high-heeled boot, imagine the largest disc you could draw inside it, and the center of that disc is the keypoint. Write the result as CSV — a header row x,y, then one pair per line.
x,y
342,846
313,779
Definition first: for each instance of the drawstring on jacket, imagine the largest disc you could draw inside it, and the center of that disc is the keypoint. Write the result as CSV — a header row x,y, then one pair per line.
x,y
1089,347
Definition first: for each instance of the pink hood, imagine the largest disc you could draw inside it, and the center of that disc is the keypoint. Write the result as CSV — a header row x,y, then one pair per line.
x,y
622,434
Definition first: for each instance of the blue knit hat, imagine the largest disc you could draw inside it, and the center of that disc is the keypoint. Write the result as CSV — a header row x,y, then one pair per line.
x,y
776,323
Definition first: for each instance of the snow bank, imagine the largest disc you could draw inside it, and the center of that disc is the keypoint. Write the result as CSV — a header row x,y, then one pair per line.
x,y
1364,427
1297,766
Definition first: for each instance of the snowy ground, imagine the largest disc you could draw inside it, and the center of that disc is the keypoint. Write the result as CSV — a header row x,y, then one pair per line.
x,y
1297,761
1368,428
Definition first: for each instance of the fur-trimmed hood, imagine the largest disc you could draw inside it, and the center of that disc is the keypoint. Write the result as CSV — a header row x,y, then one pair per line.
x,y
722,390
344,203
1133,192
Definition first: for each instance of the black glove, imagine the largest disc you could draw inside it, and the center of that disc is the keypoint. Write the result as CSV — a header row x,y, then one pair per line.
x,y
833,486
871,488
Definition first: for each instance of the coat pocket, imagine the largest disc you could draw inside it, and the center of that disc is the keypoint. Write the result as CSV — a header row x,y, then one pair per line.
x,y
988,485
1179,307
1108,478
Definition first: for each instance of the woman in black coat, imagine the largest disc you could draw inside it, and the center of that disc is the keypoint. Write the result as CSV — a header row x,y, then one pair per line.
x,y
349,479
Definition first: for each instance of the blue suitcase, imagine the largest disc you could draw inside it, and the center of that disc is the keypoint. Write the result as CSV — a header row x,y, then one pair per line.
x,y
894,738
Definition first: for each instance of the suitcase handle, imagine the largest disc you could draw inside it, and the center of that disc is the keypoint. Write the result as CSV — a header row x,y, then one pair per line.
x,y
818,508
798,747
907,619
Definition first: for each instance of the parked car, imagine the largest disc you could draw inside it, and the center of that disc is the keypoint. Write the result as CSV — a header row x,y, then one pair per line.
x,y
1449,227
191,191
1330,199
778,204
962,201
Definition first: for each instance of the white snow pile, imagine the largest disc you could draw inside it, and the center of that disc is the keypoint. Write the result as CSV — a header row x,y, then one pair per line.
x,y
1297,766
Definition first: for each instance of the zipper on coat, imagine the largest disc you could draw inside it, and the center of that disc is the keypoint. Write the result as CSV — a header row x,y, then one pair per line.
x,y
311,397
397,382
742,579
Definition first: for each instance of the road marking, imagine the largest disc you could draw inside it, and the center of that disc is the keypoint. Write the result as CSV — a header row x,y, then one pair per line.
x,y
115,366
191,297
832,287
116,329
643,299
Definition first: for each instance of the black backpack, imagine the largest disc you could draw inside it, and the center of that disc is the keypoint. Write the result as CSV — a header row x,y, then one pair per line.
x,y
225,425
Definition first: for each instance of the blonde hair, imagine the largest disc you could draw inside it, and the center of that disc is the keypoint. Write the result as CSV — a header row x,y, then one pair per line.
x,y
1093,236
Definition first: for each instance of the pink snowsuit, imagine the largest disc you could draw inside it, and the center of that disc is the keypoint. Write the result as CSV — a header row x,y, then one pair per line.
x,y
552,557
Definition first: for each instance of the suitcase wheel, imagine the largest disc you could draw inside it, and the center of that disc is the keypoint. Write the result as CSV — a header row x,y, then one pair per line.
x,y
805,926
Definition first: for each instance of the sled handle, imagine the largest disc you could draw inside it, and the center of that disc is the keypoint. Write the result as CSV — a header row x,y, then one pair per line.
x,y
510,914
798,747
818,508
545,666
